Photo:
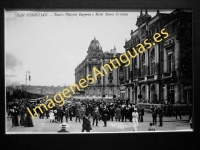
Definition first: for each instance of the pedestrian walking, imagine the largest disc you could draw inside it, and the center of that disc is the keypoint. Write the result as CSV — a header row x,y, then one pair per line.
x,y
118,113
123,112
177,110
112,112
51,116
55,115
139,113
135,119
142,114
95,116
160,114
62,113
86,123
105,116
66,113
154,114
78,114
130,111
28,120
22,115
70,112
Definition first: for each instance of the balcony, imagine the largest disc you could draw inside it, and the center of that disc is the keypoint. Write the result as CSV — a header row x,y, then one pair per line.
x,y
150,77
166,74
141,78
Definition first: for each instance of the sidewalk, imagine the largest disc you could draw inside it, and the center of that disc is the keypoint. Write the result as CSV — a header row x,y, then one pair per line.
x,y
44,126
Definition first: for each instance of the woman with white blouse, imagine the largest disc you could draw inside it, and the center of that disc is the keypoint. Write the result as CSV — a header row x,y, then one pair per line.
x,y
135,119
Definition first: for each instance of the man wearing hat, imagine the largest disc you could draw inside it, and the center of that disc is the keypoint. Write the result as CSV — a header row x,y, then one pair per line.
x,y
96,116
63,127
105,116
112,112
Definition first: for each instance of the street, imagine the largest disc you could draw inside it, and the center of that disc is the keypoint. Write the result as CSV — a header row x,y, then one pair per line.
x,y
43,126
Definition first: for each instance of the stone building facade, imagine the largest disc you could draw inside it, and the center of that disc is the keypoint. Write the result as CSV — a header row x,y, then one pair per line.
x,y
105,86
162,73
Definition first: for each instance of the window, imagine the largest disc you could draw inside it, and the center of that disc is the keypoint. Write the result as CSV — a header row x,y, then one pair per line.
x,y
110,81
143,65
169,62
134,67
99,81
121,68
152,62
110,77
90,68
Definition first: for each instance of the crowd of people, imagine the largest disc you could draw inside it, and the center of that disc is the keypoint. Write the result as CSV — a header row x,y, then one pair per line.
x,y
20,115
86,110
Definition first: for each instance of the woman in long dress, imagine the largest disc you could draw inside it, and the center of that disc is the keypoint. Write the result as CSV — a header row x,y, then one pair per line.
x,y
28,120
135,119
22,116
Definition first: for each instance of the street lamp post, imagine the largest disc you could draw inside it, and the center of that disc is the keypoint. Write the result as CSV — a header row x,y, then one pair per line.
x,y
27,72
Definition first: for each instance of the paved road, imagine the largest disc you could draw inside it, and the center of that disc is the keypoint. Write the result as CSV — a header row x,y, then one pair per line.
x,y
45,127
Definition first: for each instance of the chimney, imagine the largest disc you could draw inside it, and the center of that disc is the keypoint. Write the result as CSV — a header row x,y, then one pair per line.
x,y
114,50
158,11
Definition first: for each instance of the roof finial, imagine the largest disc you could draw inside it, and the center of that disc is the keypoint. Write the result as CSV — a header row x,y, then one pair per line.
x,y
141,12
94,38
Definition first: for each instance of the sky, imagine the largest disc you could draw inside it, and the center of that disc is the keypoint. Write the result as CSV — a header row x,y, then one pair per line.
x,y
52,46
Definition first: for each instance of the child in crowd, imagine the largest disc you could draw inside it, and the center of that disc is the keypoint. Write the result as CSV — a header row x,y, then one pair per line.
x,y
56,115
51,114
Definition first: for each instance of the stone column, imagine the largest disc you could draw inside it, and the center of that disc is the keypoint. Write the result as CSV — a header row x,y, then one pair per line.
x,y
182,93
165,92
131,94
177,92
147,92
176,56
138,92
157,91
165,60
146,62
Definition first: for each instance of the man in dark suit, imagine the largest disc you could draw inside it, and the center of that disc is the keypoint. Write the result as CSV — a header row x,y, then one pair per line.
x,y
142,114
105,116
178,110
154,114
160,113
70,112
66,113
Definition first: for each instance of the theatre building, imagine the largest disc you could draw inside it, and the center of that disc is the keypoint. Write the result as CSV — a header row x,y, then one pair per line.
x,y
162,73
105,86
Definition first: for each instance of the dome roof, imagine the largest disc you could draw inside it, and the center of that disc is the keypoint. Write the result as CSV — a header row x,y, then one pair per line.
x,y
94,45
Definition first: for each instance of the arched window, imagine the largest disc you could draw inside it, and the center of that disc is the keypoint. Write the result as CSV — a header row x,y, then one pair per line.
x,y
152,62
143,65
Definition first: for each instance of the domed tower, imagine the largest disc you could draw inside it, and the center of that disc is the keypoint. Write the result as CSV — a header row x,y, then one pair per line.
x,y
94,46
94,59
